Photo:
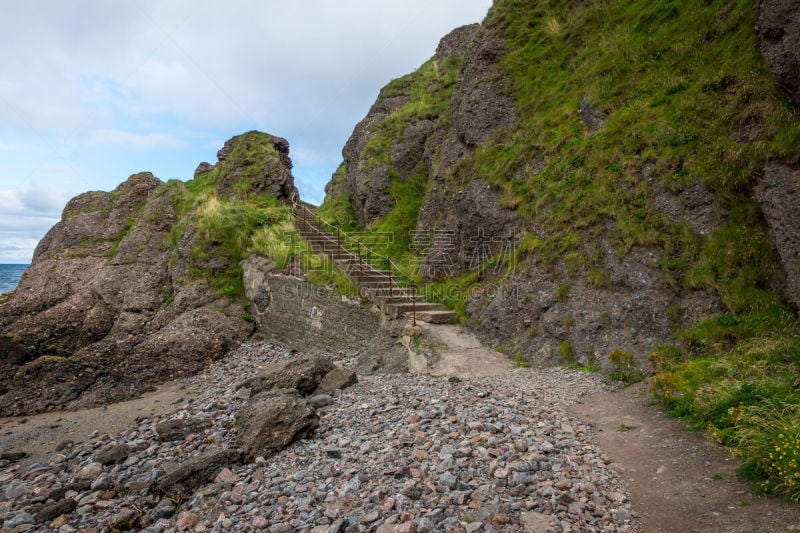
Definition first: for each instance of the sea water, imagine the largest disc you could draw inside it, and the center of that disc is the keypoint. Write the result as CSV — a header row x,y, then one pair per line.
x,y
9,276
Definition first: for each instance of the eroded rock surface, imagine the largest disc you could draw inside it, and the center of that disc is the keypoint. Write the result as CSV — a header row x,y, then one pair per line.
x,y
779,31
778,192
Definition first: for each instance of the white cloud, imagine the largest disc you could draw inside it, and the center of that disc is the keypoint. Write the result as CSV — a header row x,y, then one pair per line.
x,y
136,140
12,147
101,86
35,201
40,198
75,64
25,216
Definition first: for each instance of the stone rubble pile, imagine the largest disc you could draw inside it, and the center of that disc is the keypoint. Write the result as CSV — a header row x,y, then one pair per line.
x,y
392,453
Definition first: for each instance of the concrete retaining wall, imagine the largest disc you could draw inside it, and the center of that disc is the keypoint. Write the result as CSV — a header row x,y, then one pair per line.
x,y
309,317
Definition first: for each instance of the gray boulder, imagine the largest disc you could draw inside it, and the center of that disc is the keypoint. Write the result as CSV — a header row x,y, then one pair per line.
x,y
179,429
114,454
271,421
337,379
198,471
302,373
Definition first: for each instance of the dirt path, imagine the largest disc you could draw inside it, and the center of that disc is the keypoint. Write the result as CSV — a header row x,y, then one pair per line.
x,y
679,481
40,434
461,354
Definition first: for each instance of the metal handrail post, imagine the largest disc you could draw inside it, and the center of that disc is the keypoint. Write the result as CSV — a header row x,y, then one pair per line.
x,y
414,305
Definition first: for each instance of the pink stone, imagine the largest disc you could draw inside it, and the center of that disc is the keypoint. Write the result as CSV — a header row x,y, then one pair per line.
x,y
186,520
225,476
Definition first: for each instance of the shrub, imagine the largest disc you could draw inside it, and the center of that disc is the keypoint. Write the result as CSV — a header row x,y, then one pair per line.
x,y
520,362
771,449
562,292
565,351
624,365
664,356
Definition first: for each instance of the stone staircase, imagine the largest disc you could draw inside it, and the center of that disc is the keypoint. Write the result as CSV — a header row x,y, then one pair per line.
x,y
381,286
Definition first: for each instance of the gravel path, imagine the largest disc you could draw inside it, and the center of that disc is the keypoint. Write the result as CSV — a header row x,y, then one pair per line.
x,y
393,453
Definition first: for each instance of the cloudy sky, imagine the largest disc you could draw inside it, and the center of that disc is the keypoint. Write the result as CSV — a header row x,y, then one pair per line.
x,y
93,91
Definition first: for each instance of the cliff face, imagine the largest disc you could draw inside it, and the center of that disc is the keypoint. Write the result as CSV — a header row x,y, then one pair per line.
x,y
779,33
582,186
133,286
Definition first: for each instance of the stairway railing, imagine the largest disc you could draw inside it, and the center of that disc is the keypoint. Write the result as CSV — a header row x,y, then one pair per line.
x,y
307,217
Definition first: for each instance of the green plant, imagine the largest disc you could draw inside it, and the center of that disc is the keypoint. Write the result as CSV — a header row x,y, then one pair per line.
x,y
519,361
770,447
562,292
598,278
588,368
665,356
675,312
624,365
565,351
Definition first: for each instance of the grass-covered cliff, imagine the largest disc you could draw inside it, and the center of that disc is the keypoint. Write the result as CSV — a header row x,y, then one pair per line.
x,y
637,156
229,212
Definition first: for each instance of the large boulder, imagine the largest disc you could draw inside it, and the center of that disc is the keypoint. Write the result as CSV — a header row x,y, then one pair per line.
x,y
302,373
198,471
337,379
273,420
179,429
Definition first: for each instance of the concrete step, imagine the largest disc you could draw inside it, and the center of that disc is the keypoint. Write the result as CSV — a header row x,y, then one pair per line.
x,y
400,299
398,308
397,295
369,274
434,317
371,281
381,286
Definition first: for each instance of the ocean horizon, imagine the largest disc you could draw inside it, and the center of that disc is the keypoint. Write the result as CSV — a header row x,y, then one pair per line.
x,y
9,276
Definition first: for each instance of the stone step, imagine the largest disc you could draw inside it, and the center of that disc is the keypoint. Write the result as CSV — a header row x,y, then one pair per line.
x,y
434,317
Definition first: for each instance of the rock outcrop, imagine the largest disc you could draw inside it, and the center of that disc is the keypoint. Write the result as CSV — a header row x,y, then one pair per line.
x,y
551,275
778,192
473,107
779,32
122,292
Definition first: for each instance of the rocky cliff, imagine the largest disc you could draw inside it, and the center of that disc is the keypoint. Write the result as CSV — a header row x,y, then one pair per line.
x,y
141,284
575,183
